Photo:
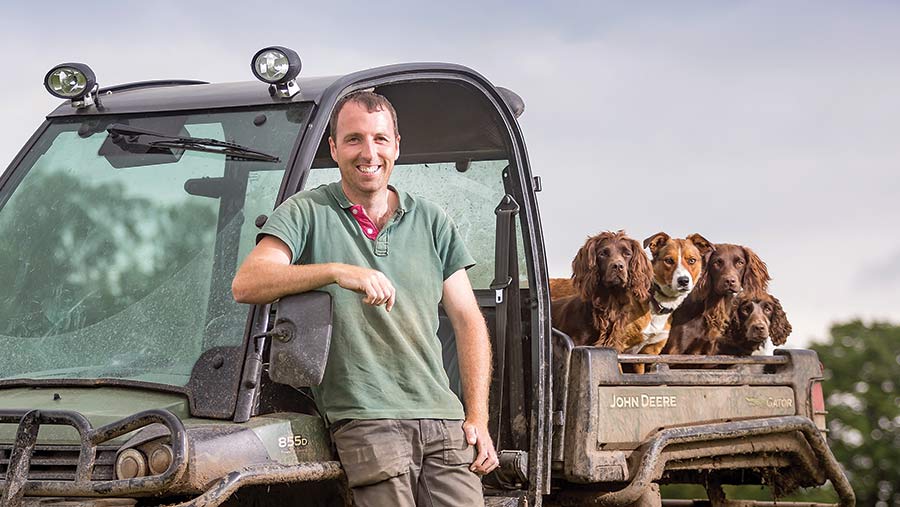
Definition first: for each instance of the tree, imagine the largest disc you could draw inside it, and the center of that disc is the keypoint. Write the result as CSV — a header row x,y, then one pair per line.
x,y
862,372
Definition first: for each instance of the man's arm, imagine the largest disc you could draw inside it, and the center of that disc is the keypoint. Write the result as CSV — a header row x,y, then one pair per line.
x,y
267,274
474,349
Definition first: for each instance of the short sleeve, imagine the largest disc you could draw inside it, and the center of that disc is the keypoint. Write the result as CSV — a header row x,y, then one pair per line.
x,y
290,224
451,247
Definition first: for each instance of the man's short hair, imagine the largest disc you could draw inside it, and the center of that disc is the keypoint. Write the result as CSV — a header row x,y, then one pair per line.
x,y
370,100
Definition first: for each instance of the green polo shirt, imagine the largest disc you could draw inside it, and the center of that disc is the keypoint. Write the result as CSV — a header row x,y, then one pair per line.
x,y
381,365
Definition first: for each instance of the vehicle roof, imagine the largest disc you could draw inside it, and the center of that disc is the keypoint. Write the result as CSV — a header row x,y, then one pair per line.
x,y
165,96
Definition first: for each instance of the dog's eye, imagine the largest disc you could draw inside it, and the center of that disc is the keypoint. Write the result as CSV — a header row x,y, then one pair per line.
x,y
767,308
692,261
739,262
626,253
747,309
604,252
718,263
670,261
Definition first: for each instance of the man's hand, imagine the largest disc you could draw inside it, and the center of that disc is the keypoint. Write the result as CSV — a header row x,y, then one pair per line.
x,y
376,287
486,460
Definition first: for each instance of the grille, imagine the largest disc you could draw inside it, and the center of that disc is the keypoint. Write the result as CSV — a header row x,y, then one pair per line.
x,y
58,463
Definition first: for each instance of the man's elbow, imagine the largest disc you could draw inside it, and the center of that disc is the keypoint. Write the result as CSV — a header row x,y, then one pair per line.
x,y
244,292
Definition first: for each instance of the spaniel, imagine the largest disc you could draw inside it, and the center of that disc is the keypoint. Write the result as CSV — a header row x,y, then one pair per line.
x,y
753,320
677,266
611,282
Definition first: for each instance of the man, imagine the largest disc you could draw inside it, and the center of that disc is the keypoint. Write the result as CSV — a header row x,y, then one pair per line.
x,y
387,259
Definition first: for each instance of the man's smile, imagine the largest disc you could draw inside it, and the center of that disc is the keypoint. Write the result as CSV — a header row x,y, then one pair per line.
x,y
368,169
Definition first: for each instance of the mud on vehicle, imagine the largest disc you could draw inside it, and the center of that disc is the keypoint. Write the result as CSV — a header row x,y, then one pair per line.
x,y
131,377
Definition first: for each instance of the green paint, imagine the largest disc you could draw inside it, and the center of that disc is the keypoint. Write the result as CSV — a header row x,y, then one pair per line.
x,y
293,438
101,406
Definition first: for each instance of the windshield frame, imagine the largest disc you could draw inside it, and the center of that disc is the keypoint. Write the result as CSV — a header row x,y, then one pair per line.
x,y
204,391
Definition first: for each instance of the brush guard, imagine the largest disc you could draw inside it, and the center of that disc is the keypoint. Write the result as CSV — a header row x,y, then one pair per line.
x,y
16,485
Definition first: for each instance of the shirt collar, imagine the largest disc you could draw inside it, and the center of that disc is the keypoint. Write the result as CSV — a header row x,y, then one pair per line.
x,y
407,202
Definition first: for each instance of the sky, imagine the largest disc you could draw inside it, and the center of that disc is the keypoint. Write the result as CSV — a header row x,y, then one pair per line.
x,y
770,124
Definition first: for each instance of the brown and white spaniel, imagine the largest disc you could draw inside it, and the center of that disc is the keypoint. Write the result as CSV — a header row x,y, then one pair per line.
x,y
677,267
699,322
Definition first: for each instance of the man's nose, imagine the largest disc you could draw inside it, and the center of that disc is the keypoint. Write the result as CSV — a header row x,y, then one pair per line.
x,y
369,149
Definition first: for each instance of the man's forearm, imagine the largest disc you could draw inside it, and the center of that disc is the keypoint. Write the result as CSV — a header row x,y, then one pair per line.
x,y
261,281
474,350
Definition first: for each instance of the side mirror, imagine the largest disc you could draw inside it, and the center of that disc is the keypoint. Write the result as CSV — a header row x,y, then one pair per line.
x,y
301,339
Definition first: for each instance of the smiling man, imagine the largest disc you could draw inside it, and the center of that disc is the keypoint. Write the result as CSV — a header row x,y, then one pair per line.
x,y
388,259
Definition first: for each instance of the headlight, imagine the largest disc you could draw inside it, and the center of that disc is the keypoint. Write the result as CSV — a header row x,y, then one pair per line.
x,y
70,80
275,65
131,463
159,459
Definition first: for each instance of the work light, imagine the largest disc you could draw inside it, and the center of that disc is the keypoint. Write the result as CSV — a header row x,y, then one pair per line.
x,y
277,66
70,81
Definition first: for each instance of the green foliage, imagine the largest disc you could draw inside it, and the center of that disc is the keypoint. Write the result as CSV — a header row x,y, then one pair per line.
x,y
862,371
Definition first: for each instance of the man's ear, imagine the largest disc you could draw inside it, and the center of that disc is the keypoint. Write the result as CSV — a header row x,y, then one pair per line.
x,y
398,148
333,148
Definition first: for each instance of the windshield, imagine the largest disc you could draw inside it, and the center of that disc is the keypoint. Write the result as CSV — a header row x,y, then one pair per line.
x,y
116,260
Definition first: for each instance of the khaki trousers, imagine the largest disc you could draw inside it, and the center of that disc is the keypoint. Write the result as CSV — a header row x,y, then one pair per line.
x,y
408,463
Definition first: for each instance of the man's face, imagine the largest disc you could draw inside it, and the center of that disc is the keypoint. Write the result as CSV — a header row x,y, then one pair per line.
x,y
365,148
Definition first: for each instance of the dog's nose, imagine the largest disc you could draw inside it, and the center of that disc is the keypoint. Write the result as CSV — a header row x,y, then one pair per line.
x,y
683,281
619,266
758,328
731,282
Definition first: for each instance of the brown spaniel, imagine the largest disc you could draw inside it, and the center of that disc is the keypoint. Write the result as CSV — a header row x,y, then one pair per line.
x,y
611,280
753,319
697,324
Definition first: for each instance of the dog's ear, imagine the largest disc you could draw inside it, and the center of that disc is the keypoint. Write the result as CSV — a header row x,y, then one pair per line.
x,y
733,331
702,244
756,275
640,272
779,328
701,290
655,242
585,276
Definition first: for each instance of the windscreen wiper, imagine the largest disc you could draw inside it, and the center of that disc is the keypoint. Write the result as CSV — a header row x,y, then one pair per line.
x,y
133,135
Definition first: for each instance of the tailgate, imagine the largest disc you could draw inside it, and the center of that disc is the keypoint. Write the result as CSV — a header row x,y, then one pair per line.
x,y
609,414
630,415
